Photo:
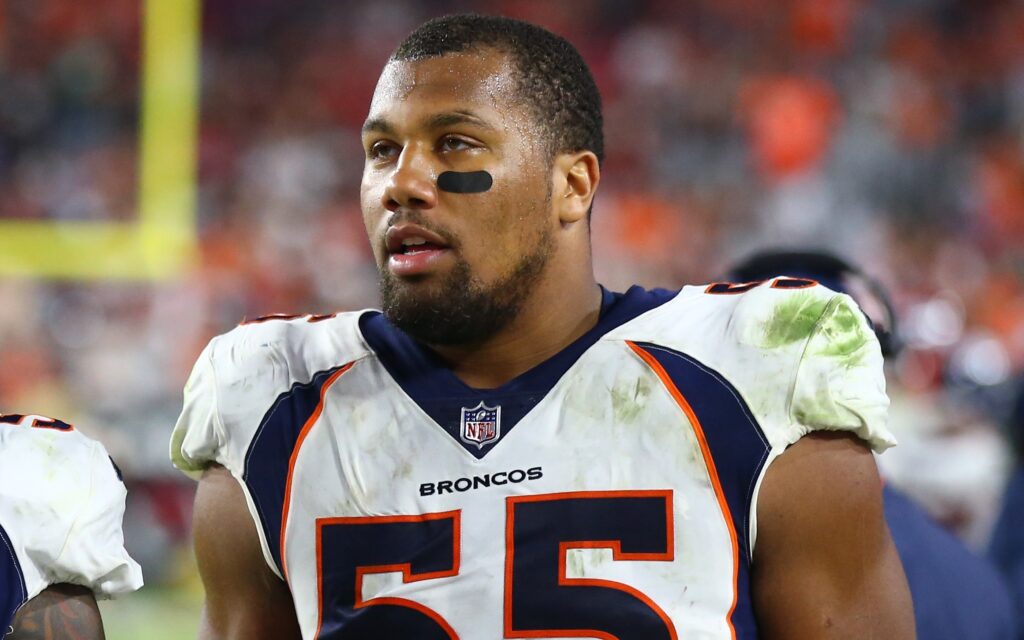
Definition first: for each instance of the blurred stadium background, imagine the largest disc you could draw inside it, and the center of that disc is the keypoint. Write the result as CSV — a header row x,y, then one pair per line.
x,y
169,167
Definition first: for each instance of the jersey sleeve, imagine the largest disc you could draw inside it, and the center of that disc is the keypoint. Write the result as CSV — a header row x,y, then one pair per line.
x,y
840,383
239,383
198,438
62,505
232,386
94,555
238,378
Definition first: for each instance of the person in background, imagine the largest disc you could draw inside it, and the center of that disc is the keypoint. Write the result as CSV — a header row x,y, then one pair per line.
x,y
1007,547
956,593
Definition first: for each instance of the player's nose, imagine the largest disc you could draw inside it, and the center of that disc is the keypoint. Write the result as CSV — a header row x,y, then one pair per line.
x,y
412,184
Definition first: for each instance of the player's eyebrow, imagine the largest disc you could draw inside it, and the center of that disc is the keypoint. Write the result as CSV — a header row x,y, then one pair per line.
x,y
378,125
452,118
433,122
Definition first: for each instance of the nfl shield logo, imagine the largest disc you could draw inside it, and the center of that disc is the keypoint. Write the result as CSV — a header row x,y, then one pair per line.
x,y
481,425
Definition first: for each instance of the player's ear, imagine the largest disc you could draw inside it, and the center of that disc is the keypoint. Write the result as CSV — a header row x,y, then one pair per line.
x,y
576,176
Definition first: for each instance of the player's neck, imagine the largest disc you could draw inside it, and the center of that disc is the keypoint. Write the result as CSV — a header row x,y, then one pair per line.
x,y
553,317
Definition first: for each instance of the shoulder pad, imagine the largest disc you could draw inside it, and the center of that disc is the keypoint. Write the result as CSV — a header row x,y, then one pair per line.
x,y
802,356
239,375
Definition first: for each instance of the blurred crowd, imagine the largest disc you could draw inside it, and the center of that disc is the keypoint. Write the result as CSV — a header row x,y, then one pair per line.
x,y
888,131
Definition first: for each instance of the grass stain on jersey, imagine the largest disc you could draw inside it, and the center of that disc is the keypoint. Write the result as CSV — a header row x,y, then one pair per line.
x,y
821,410
794,319
845,331
839,328
629,400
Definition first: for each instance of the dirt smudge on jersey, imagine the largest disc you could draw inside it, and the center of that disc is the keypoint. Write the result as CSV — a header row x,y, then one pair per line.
x,y
575,565
404,468
584,563
629,398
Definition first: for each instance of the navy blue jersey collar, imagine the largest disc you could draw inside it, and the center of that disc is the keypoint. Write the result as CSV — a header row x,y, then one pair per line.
x,y
431,384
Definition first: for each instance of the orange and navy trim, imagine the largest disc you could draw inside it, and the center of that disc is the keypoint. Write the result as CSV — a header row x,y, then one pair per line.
x,y
310,421
734,449
782,282
35,422
285,317
270,460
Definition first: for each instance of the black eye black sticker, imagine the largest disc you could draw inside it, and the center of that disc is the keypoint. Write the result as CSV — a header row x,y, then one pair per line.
x,y
465,182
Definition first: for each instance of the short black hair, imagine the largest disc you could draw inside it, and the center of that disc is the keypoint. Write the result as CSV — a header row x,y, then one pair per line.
x,y
553,80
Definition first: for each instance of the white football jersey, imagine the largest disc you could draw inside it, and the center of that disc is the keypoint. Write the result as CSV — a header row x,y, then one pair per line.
x,y
61,505
608,492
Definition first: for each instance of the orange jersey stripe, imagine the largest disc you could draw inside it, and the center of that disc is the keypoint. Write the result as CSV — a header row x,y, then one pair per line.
x,y
295,454
666,380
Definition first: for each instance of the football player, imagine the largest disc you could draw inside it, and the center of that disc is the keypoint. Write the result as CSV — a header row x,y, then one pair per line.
x,y
61,546
510,450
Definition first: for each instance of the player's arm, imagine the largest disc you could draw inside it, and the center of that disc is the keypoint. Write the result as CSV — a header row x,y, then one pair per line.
x,y
244,599
59,612
825,566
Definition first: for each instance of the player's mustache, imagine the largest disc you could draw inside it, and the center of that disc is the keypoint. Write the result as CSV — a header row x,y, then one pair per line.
x,y
411,216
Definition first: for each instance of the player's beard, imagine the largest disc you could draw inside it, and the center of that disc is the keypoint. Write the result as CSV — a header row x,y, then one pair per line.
x,y
463,310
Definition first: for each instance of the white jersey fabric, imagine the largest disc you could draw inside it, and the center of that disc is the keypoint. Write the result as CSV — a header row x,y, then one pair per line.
x,y
61,506
610,491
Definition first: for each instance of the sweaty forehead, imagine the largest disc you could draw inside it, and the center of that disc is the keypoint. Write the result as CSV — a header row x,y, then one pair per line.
x,y
472,79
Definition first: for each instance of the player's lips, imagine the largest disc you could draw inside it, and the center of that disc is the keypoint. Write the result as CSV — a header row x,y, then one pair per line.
x,y
413,250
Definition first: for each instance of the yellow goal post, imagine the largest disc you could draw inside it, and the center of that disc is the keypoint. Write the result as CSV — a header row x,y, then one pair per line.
x,y
161,242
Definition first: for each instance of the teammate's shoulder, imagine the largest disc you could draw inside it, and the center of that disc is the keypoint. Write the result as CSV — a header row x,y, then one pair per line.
x,y
28,436
61,504
37,445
